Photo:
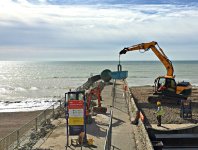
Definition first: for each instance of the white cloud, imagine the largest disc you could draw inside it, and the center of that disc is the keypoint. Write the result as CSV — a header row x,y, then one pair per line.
x,y
97,28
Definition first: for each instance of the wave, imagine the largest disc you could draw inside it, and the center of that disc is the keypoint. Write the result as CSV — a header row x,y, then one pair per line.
x,y
8,89
20,89
33,88
3,90
27,105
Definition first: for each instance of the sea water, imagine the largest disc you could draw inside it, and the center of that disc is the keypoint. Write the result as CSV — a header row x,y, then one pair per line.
x,y
26,86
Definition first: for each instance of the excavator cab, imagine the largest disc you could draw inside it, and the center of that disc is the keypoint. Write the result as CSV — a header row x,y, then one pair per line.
x,y
165,91
165,85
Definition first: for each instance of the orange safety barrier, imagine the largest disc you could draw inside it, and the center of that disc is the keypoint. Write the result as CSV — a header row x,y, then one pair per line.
x,y
125,88
141,116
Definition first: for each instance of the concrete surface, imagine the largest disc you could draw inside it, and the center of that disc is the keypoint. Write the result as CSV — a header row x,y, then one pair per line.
x,y
122,131
122,135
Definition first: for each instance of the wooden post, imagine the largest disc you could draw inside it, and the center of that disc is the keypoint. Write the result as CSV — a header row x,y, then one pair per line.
x,y
36,123
60,104
53,112
18,144
44,115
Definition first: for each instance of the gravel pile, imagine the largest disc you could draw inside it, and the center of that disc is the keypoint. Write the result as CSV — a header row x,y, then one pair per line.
x,y
172,111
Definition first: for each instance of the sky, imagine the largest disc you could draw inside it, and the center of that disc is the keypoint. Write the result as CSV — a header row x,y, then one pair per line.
x,y
75,30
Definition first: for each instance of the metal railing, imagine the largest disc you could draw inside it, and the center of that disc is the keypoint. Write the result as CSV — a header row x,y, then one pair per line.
x,y
15,139
108,138
113,93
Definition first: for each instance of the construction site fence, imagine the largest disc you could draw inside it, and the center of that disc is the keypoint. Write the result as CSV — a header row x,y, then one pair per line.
x,y
108,138
15,139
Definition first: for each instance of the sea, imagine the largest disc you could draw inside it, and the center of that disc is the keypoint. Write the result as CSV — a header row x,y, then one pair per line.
x,y
30,86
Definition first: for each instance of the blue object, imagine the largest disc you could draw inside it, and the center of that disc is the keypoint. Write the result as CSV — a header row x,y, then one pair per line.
x,y
119,75
75,130
186,109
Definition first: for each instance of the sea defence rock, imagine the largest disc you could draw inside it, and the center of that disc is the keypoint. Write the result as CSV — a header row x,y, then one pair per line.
x,y
105,76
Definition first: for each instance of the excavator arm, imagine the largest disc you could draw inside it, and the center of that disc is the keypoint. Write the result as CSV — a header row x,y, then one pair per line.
x,y
158,52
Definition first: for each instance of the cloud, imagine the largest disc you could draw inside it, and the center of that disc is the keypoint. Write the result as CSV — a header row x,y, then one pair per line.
x,y
112,2
60,30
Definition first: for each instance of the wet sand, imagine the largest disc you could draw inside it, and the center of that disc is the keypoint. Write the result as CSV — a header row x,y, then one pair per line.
x,y
11,121
172,111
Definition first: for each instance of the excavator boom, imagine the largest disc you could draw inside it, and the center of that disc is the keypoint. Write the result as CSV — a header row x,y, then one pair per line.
x,y
166,89
158,52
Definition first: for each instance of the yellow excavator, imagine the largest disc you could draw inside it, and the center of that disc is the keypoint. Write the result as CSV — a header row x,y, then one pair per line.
x,y
165,87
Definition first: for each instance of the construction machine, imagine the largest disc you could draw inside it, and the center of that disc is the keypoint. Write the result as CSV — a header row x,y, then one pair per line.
x,y
165,87
93,88
92,107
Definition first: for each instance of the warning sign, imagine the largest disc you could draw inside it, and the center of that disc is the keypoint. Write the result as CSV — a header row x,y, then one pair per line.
x,y
75,104
76,112
76,121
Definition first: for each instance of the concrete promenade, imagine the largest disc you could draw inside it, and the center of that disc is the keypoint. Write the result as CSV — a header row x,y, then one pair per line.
x,y
122,131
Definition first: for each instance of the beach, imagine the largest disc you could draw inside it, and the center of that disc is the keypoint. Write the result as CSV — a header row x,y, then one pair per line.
x,y
11,121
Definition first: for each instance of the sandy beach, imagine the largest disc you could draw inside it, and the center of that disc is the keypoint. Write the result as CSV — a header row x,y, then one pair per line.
x,y
11,121
172,111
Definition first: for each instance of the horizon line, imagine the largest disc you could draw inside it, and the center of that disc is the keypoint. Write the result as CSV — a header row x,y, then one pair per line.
x,y
84,60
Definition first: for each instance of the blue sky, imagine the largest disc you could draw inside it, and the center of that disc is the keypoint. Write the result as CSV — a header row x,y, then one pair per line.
x,y
96,29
